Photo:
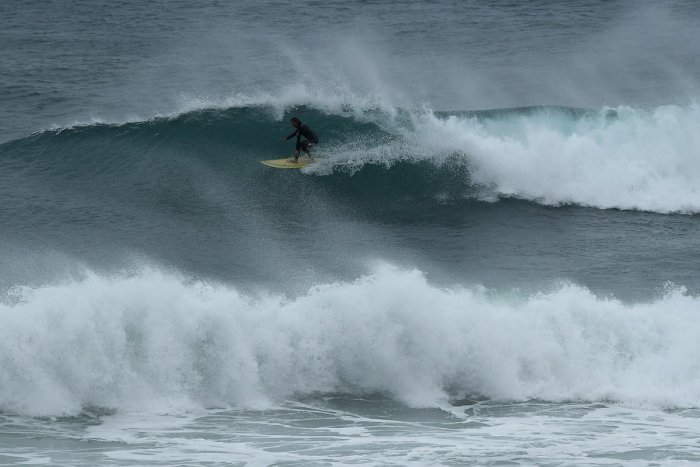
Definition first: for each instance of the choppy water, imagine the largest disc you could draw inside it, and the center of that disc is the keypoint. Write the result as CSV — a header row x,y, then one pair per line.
x,y
494,260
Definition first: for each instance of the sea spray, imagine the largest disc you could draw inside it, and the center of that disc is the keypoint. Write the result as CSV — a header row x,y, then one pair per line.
x,y
156,342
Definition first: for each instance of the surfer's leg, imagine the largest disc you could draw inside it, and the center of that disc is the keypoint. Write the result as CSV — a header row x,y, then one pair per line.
x,y
297,151
306,146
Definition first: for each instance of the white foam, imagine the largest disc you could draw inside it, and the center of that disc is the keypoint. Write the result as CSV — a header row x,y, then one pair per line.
x,y
641,159
154,343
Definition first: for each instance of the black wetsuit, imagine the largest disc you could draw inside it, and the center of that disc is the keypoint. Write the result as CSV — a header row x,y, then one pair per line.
x,y
306,132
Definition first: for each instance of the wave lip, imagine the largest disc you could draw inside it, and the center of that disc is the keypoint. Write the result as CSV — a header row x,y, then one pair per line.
x,y
155,343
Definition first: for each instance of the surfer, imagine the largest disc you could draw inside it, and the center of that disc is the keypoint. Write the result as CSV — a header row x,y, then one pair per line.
x,y
306,132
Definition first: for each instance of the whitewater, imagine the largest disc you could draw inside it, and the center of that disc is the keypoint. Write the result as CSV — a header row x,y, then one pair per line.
x,y
493,262
156,341
198,355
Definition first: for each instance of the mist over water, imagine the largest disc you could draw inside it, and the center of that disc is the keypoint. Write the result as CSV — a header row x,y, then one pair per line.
x,y
448,55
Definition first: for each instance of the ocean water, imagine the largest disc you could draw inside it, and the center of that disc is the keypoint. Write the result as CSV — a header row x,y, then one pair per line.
x,y
493,262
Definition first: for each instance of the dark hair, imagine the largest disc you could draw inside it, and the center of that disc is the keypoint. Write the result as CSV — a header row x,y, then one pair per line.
x,y
295,120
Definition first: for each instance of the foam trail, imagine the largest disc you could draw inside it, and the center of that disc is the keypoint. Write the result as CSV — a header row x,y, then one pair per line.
x,y
155,343
621,158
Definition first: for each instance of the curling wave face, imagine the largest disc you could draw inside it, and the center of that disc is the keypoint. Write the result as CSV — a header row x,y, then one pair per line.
x,y
620,158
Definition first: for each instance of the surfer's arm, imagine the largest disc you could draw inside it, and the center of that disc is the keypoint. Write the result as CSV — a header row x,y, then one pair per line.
x,y
295,132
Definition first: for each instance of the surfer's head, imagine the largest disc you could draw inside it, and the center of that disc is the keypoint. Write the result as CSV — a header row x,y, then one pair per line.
x,y
296,123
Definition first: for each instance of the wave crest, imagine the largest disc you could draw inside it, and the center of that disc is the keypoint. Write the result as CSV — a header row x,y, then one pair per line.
x,y
620,158
154,342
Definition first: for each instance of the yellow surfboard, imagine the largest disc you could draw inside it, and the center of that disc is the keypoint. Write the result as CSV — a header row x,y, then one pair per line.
x,y
288,163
